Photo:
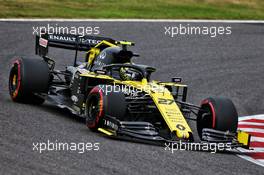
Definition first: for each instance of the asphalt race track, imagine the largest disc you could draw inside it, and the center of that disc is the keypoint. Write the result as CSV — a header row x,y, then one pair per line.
x,y
228,65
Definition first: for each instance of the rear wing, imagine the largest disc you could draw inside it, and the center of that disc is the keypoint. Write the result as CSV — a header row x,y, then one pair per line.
x,y
67,41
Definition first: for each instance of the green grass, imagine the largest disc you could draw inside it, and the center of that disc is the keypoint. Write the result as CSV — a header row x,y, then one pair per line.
x,y
152,9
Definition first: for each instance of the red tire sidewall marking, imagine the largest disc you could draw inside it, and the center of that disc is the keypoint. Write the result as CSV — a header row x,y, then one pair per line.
x,y
95,91
213,114
207,102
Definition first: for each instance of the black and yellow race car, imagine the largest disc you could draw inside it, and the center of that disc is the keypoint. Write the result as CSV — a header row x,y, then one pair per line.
x,y
118,97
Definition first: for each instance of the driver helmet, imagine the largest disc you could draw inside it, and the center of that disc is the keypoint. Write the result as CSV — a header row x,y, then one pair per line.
x,y
129,74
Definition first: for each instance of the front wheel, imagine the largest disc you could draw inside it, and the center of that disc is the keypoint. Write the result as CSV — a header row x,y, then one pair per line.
x,y
217,113
102,102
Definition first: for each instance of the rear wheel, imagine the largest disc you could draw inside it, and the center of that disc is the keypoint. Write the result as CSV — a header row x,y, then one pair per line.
x,y
102,102
28,77
217,113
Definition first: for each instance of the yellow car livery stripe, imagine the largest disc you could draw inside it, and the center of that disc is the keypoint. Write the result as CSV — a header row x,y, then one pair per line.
x,y
171,113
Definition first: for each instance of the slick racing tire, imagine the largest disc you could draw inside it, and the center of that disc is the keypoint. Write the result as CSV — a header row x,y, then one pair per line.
x,y
27,78
217,113
102,102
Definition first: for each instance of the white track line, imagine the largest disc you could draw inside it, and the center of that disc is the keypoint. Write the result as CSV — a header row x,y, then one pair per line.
x,y
252,130
261,160
256,139
132,20
258,150
259,116
254,150
256,161
250,123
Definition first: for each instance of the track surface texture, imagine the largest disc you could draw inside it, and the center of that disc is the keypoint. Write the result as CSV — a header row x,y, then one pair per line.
x,y
230,66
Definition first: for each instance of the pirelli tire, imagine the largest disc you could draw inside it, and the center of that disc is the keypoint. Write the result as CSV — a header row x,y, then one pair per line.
x,y
102,101
217,113
27,78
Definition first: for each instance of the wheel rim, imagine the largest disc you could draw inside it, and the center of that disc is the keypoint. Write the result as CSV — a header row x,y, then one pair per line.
x,y
93,109
14,81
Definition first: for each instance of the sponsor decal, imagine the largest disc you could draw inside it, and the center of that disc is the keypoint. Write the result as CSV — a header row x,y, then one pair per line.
x,y
164,101
90,41
62,38
102,55
73,39
43,42
110,124
180,127
74,98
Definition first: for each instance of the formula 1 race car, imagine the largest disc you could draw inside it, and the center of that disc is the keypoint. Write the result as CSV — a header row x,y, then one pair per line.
x,y
117,97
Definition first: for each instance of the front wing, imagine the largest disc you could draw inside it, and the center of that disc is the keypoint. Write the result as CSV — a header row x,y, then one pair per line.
x,y
145,132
